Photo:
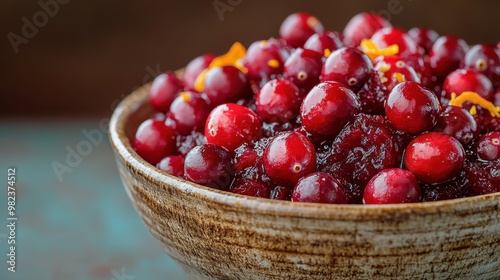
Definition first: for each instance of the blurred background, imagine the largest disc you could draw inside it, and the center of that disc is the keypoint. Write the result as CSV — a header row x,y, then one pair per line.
x,y
65,64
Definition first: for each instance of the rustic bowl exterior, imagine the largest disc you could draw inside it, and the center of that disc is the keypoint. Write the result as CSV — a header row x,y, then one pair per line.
x,y
216,235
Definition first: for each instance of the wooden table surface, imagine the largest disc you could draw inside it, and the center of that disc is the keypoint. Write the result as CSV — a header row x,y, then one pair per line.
x,y
83,227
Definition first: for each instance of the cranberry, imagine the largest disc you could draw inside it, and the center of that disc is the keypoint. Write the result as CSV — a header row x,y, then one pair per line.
x,y
319,187
230,125
462,80
225,84
373,95
484,59
349,66
388,36
264,60
303,68
249,187
328,108
173,165
393,185
324,43
189,111
394,70
412,108
363,26
163,91
484,177
278,101
424,37
488,146
298,27
422,67
154,141
446,55
281,193
289,157
194,69
434,157
458,123
209,165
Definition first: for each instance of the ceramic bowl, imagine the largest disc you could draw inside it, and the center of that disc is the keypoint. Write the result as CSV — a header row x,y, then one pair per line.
x,y
214,234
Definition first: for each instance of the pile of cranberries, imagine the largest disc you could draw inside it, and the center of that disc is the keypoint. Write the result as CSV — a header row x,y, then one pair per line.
x,y
373,115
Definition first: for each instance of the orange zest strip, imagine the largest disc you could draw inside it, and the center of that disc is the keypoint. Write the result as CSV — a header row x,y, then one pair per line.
x,y
327,52
474,98
233,57
399,77
373,51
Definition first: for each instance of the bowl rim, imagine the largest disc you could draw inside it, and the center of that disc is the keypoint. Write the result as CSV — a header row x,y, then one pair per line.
x,y
123,149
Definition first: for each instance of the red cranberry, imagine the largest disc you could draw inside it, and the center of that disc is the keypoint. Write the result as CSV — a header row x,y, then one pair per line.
x,y
388,36
303,68
154,141
319,187
264,60
434,157
462,80
488,146
328,108
209,165
163,91
422,67
446,55
324,43
484,59
194,68
189,112
424,37
298,27
289,157
249,187
349,66
394,70
393,185
230,125
173,165
412,108
225,84
363,26
278,101
458,123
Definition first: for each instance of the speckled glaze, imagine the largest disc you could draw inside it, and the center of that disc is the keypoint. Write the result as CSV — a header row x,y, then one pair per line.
x,y
218,235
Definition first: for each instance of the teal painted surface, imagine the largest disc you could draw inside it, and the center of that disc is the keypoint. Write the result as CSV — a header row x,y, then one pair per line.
x,y
83,227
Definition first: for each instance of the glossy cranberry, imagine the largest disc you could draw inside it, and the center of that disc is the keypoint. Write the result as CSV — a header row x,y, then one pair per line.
x,y
230,125
278,101
164,90
434,157
324,43
264,60
289,157
319,187
488,146
209,165
249,187
394,70
393,185
458,123
154,141
424,37
189,112
484,177
363,26
225,84
298,27
303,68
281,193
412,108
484,59
388,36
462,80
446,54
173,165
349,66
328,108
194,68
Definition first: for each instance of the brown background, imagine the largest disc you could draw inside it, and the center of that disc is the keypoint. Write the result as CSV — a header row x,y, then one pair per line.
x,y
92,53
